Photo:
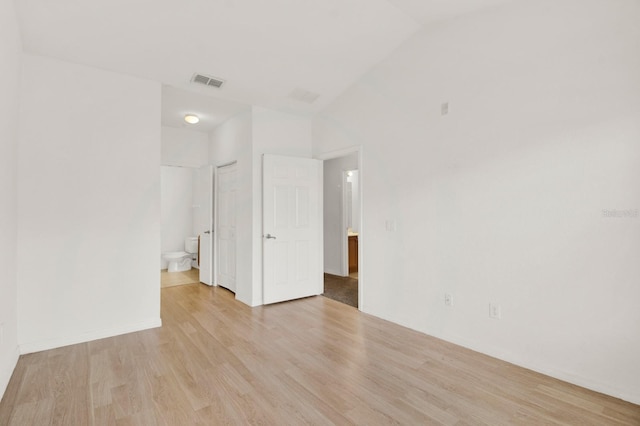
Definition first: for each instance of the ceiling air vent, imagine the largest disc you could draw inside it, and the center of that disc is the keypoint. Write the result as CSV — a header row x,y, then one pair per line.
x,y
304,96
207,80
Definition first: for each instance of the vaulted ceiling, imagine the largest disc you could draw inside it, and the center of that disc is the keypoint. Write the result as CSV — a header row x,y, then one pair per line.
x,y
265,51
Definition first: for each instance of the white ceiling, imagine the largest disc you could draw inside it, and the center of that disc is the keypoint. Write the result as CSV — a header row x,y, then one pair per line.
x,y
430,11
264,50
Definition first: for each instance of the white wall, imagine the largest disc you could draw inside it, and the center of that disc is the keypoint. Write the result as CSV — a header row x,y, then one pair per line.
x,y
332,206
177,213
9,82
501,200
232,141
88,206
183,147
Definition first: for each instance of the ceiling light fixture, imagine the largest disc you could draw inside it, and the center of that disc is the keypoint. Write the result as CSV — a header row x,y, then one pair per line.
x,y
191,118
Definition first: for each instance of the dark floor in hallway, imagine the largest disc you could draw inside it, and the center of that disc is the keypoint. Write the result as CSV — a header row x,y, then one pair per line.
x,y
341,289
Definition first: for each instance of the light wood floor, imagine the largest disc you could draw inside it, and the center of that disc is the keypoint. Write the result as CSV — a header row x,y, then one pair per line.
x,y
170,279
312,361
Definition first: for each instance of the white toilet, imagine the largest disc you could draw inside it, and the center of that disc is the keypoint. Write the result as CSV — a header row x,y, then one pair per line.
x,y
181,260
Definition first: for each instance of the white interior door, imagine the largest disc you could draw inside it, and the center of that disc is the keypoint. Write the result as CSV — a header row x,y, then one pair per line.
x,y
292,228
205,258
226,226
203,222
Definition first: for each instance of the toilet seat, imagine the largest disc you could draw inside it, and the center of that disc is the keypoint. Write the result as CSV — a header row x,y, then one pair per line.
x,y
176,254
179,261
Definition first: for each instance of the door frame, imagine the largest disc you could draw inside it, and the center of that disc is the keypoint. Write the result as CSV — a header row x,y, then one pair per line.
x,y
330,155
210,170
344,242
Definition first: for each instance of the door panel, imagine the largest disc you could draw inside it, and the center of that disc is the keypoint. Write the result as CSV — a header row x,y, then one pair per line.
x,y
292,241
226,226
203,221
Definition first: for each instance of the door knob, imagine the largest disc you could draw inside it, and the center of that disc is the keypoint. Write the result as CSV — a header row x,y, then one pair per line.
x,y
270,237
207,232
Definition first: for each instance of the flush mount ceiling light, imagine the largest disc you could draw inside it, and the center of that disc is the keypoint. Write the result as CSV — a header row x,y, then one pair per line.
x,y
191,118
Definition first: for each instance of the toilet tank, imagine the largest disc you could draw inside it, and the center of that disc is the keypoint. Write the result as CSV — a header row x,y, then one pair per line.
x,y
191,245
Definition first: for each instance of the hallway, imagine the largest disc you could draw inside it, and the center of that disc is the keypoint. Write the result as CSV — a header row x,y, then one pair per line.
x,y
342,289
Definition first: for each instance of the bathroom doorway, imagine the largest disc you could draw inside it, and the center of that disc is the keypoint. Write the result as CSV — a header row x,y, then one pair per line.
x,y
184,213
176,197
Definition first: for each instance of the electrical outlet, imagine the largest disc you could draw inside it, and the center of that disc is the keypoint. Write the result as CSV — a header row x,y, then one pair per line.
x,y
444,108
494,311
448,299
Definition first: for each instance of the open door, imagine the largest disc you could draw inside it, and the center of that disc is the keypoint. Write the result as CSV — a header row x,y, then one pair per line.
x,y
227,188
204,222
292,228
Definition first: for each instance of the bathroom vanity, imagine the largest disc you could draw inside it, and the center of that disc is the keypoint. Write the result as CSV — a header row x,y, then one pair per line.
x,y
353,252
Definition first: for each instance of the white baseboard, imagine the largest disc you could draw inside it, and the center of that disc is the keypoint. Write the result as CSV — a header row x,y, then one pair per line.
x,y
43,345
334,272
547,370
7,370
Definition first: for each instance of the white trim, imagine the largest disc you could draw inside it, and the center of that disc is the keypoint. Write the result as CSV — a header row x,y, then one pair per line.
x,y
230,163
509,357
541,368
333,272
320,230
210,225
5,374
216,241
214,231
360,231
343,152
344,243
184,165
43,345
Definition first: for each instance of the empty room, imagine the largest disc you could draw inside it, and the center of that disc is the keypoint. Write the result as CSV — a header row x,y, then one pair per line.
x,y
320,212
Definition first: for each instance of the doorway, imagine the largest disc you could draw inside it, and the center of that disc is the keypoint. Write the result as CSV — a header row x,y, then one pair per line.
x,y
183,217
342,231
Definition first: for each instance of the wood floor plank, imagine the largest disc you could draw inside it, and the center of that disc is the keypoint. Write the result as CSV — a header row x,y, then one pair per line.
x,y
12,392
310,361
170,279
38,412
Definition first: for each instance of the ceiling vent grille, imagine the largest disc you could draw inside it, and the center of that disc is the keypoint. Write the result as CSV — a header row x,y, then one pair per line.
x,y
305,96
207,80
